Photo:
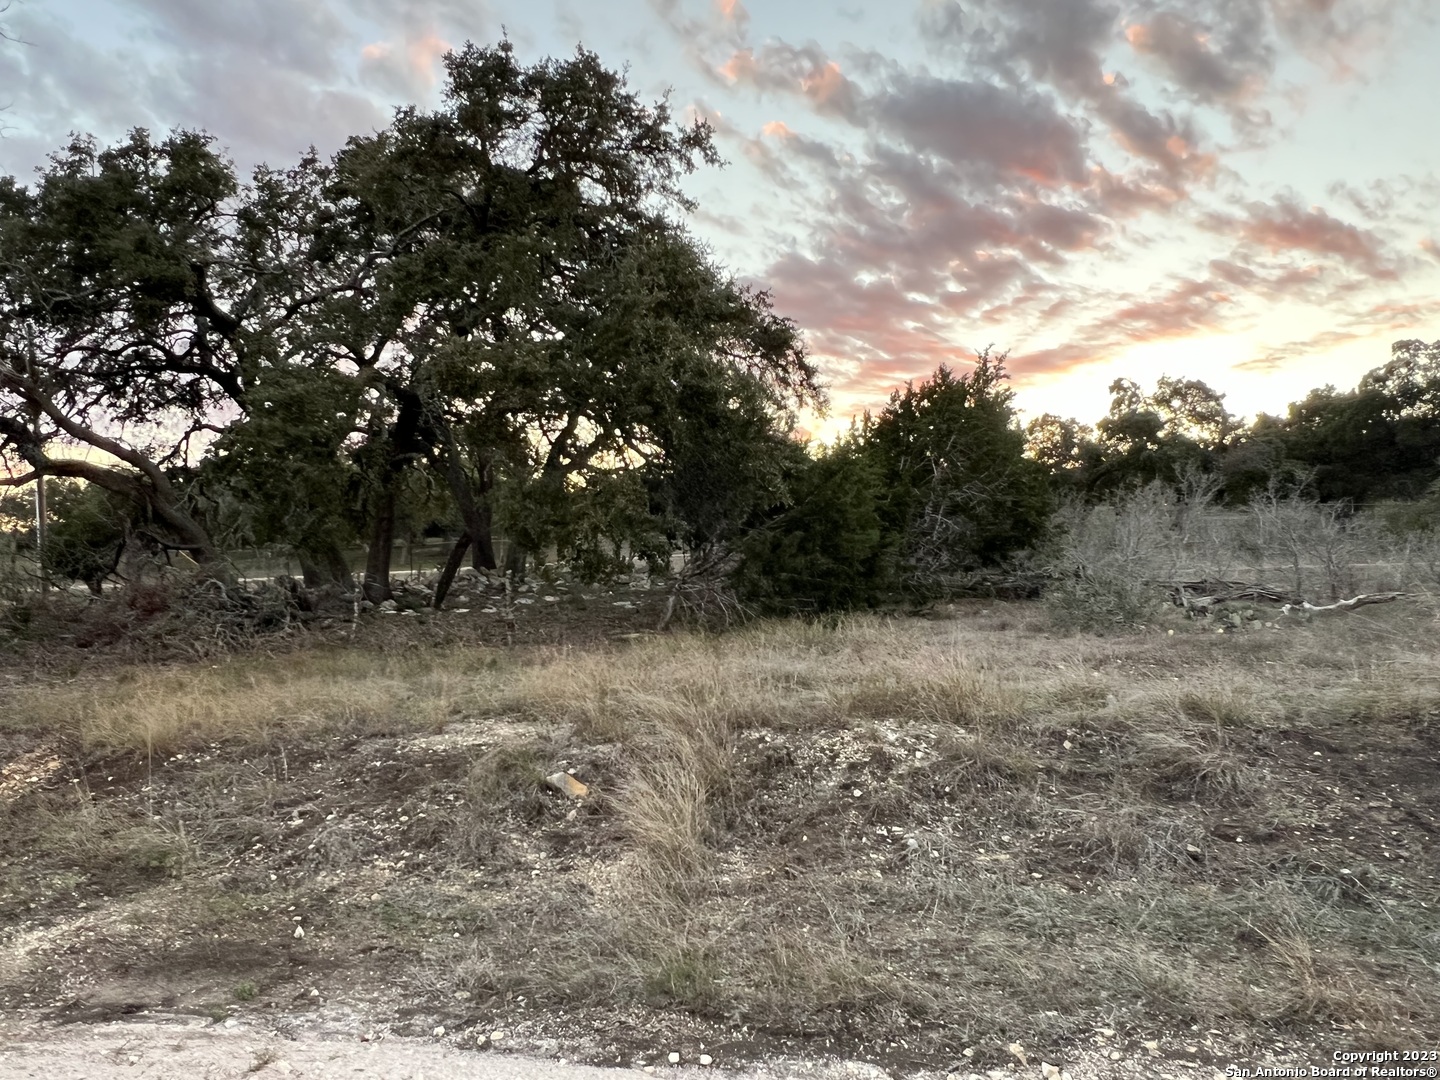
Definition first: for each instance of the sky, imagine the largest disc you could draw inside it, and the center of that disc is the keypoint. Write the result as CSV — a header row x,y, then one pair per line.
x,y
1239,191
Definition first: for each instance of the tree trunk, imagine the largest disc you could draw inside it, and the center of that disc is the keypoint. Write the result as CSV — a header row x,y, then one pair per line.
x,y
323,564
474,513
382,546
452,567
309,569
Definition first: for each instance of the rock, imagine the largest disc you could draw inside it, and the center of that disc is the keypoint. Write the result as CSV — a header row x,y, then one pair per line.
x,y
567,785
706,1059
439,1031
1048,1071
299,932
498,1036
1018,1053
524,600
674,1058
389,605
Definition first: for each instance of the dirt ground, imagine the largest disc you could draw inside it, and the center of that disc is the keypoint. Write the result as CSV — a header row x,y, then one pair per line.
x,y
186,1047
921,847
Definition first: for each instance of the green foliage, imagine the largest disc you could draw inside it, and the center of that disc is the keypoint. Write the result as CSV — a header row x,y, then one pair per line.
x,y
960,494
1378,441
825,547
88,529
279,475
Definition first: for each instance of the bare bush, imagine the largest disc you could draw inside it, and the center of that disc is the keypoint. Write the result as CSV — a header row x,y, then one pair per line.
x,y
1110,555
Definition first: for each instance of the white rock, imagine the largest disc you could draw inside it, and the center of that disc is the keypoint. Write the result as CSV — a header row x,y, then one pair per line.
x,y
674,1058
299,932
498,1036
706,1059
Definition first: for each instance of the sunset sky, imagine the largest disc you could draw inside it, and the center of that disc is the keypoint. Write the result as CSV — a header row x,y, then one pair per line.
x,y
1243,191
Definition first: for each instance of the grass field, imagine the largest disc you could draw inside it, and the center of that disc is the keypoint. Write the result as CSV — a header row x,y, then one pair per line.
x,y
918,841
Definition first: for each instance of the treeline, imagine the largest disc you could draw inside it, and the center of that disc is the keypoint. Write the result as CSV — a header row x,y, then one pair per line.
x,y
488,320
1377,442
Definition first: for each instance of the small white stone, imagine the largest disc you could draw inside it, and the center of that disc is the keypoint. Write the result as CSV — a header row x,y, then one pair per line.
x,y
706,1059
674,1058
439,1031
498,1036
299,932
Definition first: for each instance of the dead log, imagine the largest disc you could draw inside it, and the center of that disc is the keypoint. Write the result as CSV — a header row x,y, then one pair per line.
x,y
1344,605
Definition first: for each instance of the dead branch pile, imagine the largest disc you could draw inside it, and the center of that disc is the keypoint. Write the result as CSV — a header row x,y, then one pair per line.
x,y
701,592
1199,597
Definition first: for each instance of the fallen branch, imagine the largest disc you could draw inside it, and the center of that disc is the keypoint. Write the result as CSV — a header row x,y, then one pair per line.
x,y
1204,594
1345,605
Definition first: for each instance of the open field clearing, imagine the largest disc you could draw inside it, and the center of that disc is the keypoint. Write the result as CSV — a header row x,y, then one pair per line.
x,y
929,843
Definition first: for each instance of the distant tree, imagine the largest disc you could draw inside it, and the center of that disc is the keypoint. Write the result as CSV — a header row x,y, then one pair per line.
x,y
823,546
1378,441
960,493
1181,429
89,528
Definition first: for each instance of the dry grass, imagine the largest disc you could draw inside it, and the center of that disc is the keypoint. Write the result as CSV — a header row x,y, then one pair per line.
x,y
258,700
935,833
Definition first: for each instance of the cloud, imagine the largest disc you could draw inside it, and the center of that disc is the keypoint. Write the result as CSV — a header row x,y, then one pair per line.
x,y
1231,67
1283,226
1185,309
268,77
803,70
409,70
1279,357
977,124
